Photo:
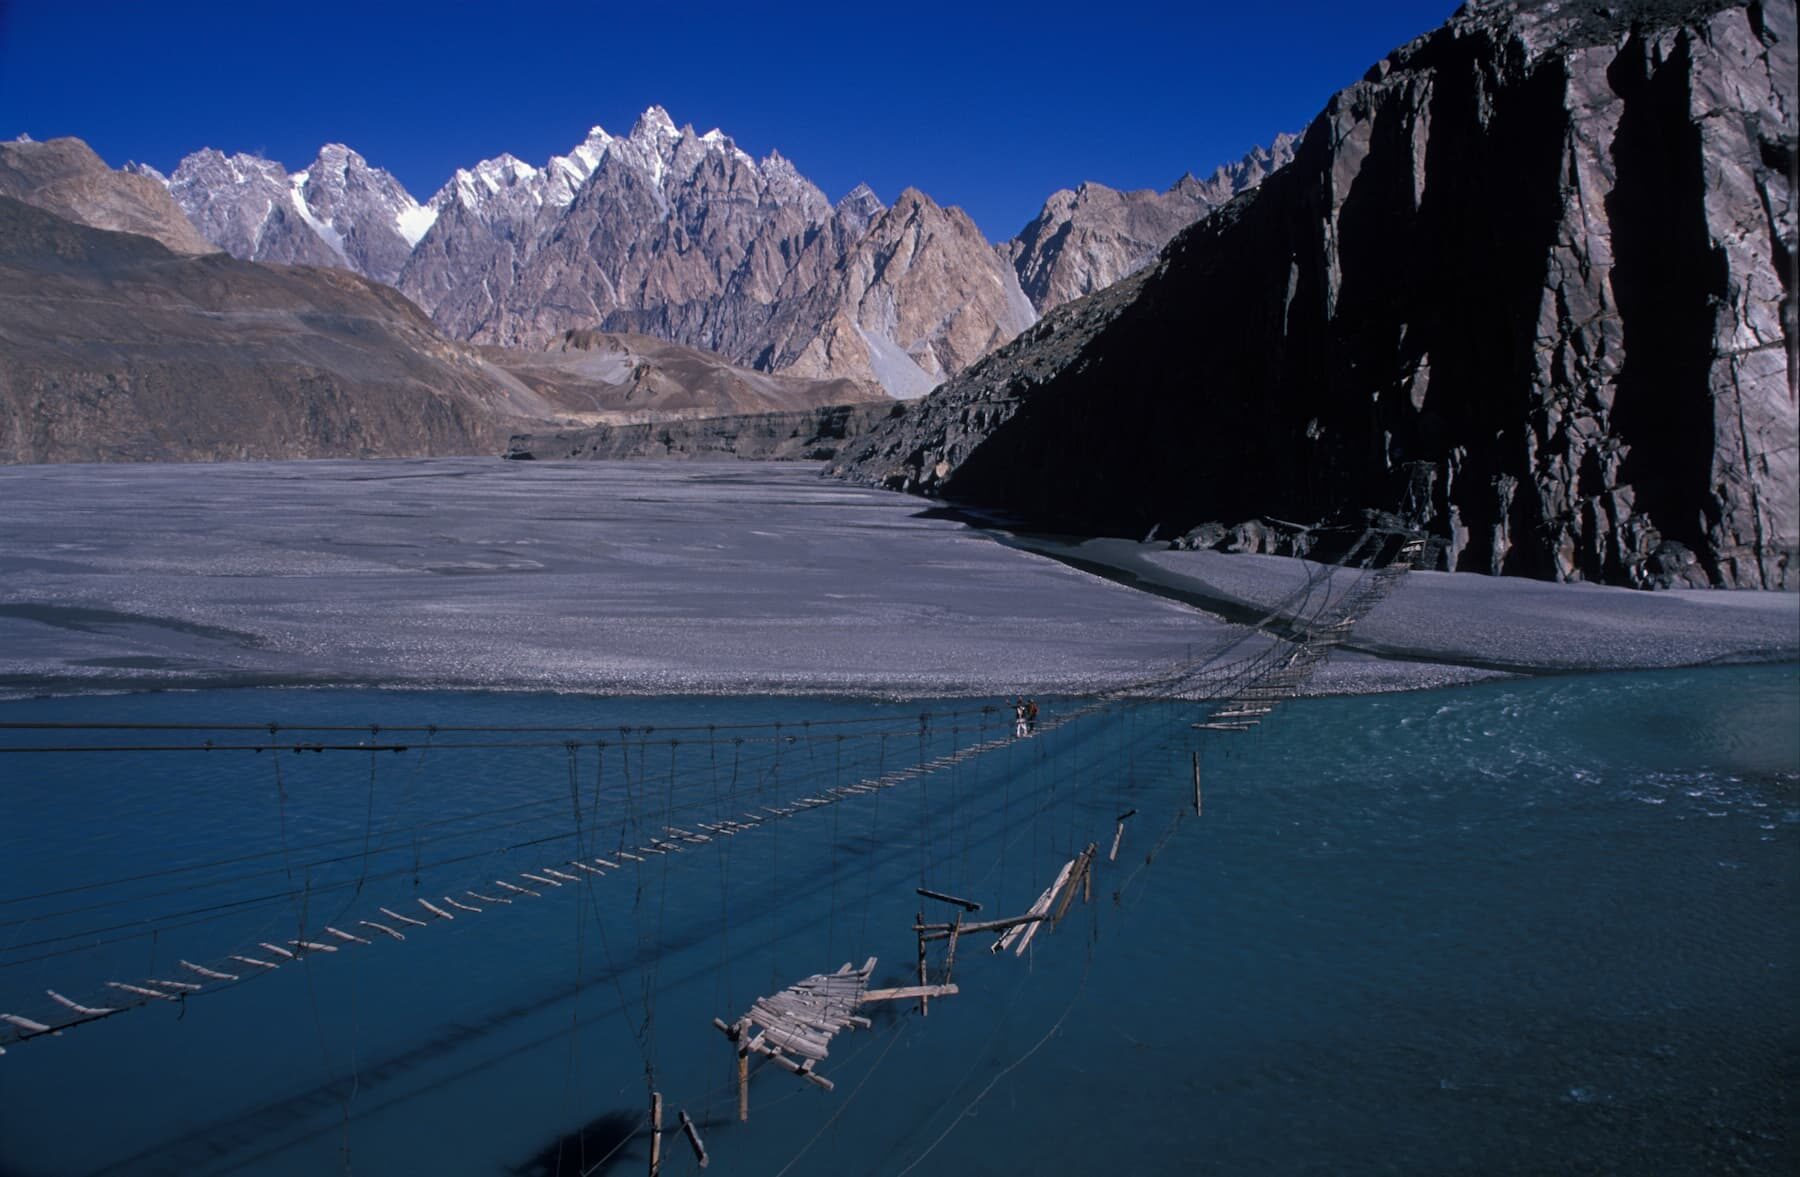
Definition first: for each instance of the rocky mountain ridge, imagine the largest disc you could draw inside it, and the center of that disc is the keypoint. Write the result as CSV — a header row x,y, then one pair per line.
x,y
685,236
113,347
65,177
1090,237
338,211
1528,286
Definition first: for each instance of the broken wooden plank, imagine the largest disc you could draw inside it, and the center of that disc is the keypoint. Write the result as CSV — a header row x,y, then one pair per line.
x,y
693,1135
1038,908
942,931
965,904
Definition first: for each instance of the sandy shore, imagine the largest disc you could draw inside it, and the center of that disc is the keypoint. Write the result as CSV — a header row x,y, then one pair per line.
x,y
1439,628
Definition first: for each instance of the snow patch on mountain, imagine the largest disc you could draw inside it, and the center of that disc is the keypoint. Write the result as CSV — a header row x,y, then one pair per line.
x,y
414,222
327,234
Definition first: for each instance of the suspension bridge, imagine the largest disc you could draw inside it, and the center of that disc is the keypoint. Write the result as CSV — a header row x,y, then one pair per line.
x,y
1232,689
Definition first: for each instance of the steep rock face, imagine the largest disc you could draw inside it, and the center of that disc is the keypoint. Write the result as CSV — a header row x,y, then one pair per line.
x,y
338,211
489,221
112,348
1092,236
915,298
65,177
1528,283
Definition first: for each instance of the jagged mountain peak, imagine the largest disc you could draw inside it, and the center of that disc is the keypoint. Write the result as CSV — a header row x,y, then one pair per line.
x,y
1092,235
655,125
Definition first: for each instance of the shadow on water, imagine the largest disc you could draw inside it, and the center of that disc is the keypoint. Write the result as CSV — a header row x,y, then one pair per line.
x,y
598,1146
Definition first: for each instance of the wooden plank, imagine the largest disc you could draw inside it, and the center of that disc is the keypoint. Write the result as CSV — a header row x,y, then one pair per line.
x,y
1039,908
139,990
86,1011
965,904
693,1135
1082,864
1197,809
25,1024
804,1072
908,992
940,931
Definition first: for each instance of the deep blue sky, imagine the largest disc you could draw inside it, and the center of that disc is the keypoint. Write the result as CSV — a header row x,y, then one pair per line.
x,y
992,106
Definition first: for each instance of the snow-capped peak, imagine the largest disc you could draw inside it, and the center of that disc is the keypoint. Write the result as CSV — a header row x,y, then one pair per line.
x,y
654,124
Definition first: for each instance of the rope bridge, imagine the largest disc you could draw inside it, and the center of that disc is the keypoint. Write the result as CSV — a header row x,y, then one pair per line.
x,y
1299,631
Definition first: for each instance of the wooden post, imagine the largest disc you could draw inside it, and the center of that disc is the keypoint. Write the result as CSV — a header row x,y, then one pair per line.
x,y
743,1083
1087,880
655,1133
950,954
1196,783
924,1002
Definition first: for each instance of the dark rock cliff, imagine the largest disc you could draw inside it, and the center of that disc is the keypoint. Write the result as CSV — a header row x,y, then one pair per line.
x,y
1530,284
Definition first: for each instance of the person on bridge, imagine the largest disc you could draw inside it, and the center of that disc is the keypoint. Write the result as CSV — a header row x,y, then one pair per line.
x,y
1020,731
1031,717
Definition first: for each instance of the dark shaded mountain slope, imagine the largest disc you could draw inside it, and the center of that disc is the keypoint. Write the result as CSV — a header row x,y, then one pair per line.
x,y
1529,283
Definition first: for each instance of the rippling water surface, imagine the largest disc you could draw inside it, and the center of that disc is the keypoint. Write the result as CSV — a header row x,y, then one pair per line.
x,y
1528,926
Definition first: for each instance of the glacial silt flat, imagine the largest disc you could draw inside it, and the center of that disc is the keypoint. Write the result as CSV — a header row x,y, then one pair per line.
x,y
643,577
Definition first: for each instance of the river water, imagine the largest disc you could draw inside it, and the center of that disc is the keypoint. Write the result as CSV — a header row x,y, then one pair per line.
x,y
1531,925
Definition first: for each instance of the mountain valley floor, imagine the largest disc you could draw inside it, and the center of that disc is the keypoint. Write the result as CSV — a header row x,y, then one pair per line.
x,y
740,578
